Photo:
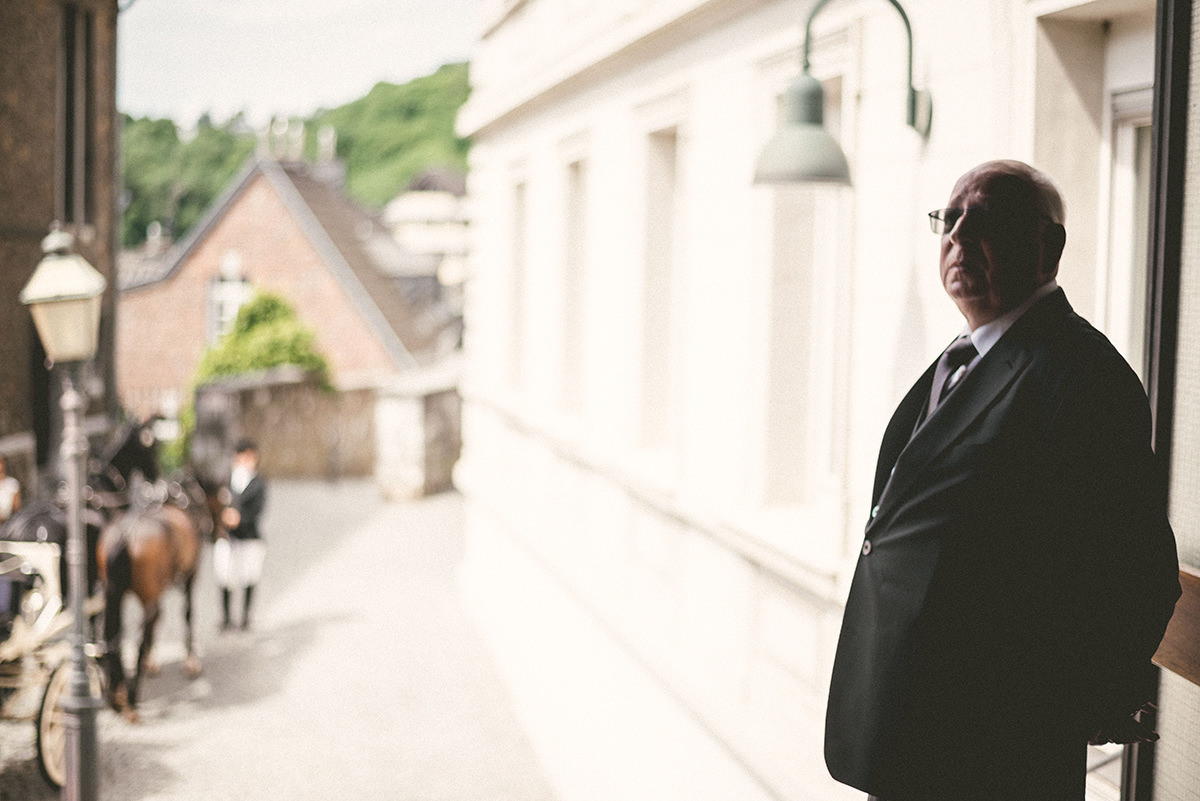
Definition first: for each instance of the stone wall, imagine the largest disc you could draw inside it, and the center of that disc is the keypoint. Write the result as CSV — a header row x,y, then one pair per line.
x,y
406,436
303,430
419,432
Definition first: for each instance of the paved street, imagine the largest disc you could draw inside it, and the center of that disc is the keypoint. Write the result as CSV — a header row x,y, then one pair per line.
x,y
361,676
387,662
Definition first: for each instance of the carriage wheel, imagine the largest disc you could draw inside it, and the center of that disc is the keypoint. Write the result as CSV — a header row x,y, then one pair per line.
x,y
51,725
51,728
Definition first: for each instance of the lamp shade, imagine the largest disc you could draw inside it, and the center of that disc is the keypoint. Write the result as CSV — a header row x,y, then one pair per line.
x,y
802,151
63,296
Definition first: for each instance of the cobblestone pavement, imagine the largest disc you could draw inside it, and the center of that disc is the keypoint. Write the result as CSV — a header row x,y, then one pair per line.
x,y
361,677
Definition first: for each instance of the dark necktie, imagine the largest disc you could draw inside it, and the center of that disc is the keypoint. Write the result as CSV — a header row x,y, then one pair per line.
x,y
950,369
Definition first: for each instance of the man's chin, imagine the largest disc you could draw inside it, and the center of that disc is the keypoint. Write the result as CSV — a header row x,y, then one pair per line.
x,y
961,291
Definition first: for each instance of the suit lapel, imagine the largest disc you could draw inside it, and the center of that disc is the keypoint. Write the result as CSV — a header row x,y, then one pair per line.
x,y
984,386
900,429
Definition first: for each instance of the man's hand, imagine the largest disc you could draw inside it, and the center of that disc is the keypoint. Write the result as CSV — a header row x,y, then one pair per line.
x,y
1136,728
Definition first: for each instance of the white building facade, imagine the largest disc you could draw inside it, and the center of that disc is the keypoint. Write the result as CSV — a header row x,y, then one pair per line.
x,y
677,380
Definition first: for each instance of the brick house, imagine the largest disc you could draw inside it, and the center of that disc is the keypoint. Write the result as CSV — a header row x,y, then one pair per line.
x,y
285,227
58,155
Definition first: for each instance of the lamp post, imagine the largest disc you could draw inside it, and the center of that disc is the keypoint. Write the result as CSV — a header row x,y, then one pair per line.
x,y
802,151
63,296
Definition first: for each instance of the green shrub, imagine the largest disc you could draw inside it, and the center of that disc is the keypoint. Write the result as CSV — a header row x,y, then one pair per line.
x,y
265,334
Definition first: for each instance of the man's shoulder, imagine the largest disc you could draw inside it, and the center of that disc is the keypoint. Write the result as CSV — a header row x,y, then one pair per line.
x,y
1052,329
1068,355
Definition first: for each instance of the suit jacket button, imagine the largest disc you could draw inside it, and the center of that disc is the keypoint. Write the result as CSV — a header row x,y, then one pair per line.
x,y
874,511
866,549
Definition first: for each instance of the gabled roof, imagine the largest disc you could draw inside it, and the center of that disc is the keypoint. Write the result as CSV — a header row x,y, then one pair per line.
x,y
138,272
355,246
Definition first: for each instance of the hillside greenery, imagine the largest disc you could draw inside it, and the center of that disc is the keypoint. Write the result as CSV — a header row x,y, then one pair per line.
x,y
398,131
385,138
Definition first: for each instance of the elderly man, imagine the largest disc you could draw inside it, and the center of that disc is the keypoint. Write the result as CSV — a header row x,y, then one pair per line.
x,y
1018,569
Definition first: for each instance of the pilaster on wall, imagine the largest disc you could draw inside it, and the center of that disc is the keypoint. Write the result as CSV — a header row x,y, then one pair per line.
x,y
1069,103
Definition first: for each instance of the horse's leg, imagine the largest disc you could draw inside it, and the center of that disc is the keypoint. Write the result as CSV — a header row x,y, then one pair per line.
x,y
149,621
191,664
117,690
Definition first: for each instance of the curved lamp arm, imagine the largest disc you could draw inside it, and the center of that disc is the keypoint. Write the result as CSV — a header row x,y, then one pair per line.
x,y
920,107
802,151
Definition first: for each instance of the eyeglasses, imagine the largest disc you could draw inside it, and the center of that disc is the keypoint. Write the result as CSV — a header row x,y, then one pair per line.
x,y
942,221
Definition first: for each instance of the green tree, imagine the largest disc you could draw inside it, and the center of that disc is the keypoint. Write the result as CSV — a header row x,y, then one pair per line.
x,y
150,150
396,131
207,162
172,180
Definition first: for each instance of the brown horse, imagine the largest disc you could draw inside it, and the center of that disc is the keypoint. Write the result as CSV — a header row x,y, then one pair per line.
x,y
152,547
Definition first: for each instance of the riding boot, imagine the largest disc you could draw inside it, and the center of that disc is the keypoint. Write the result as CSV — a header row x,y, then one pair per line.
x,y
246,608
226,600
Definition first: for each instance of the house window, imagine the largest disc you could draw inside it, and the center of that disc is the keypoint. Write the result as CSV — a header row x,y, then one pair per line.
x,y
789,346
801,439
657,301
574,306
76,154
1129,222
228,291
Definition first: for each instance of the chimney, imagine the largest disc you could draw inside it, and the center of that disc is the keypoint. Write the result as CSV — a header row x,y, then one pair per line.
x,y
329,168
278,138
326,144
295,141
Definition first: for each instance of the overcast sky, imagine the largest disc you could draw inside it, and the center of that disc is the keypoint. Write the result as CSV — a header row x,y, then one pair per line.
x,y
181,58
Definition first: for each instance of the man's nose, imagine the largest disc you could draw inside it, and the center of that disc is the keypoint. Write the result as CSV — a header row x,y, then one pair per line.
x,y
966,227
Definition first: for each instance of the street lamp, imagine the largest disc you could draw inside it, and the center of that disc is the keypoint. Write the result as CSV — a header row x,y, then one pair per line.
x,y
63,296
802,151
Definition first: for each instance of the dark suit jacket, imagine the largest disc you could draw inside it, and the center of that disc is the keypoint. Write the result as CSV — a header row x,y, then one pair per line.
x,y
1017,574
250,503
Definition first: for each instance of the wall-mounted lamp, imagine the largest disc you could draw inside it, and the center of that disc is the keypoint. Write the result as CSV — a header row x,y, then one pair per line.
x,y
802,151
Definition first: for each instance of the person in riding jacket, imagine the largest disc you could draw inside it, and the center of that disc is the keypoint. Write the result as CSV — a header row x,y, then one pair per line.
x,y
240,550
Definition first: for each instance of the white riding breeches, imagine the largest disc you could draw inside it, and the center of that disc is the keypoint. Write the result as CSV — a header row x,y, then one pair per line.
x,y
238,563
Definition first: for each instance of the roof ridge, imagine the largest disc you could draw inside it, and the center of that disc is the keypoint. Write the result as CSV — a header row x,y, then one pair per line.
x,y
178,252
320,237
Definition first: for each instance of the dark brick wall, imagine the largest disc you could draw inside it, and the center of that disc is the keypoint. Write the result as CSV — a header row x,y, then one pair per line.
x,y
30,35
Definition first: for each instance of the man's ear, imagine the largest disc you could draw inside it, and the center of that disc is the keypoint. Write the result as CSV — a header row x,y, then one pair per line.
x,y
1054,238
